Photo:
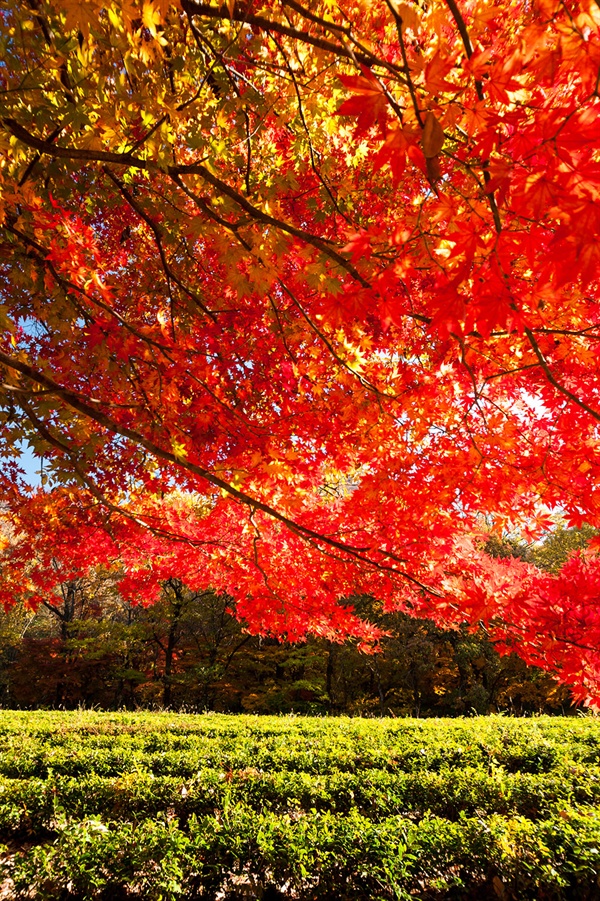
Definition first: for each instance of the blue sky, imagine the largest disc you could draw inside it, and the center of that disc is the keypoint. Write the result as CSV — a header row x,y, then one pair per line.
x,y
31,464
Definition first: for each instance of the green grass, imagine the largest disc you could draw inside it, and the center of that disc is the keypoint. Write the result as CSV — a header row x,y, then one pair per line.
x,y
171,806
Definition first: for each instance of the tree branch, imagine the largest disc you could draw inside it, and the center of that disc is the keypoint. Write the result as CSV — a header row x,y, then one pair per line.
x,y
554,381
129,160
241,14
93,412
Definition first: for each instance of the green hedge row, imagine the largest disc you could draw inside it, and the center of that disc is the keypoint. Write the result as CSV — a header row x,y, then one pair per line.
x,y
81,743
168,807
31,807
318,855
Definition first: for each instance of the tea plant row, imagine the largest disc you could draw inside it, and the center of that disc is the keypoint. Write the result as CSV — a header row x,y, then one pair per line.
x,y
169,808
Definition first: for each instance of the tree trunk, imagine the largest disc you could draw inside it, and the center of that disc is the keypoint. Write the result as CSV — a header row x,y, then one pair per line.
x,y
172,639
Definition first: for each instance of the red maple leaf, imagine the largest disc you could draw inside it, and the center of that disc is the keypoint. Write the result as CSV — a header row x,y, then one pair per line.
x,y
369,105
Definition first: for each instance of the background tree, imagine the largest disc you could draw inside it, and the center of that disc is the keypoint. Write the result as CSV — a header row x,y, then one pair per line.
x,y
196,638
111,661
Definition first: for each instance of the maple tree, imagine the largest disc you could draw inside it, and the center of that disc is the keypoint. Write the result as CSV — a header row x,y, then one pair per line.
x,y
327,272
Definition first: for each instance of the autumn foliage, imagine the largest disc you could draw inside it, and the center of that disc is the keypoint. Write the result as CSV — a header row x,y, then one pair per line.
x,y
326,277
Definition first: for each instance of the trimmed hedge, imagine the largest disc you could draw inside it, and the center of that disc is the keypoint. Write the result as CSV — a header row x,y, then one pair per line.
x,y
158,806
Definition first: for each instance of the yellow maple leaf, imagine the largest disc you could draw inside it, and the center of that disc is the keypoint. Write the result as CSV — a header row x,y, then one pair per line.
x,y
151,17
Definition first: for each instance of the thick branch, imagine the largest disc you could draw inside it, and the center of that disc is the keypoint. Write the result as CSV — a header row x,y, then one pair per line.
x,y
462,29
129,160
241,14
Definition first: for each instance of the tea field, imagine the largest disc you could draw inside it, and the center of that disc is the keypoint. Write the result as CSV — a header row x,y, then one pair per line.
x,y
175,806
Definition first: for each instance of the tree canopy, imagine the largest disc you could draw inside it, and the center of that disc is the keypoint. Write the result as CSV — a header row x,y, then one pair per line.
x,y
324,275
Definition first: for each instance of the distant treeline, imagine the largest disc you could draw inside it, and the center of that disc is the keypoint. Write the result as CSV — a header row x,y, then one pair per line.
x,y
188,651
